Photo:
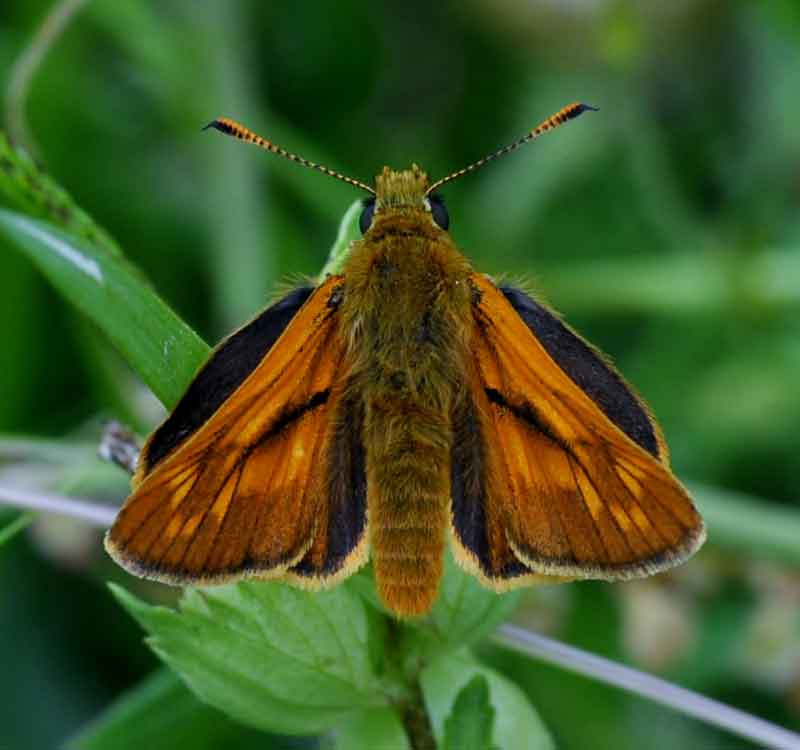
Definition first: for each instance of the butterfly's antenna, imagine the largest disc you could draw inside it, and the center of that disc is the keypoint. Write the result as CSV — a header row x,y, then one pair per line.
x,y
551,123
231,127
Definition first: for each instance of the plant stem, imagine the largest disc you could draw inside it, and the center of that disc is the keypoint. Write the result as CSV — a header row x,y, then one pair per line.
x,y
645,685
417,723
81,510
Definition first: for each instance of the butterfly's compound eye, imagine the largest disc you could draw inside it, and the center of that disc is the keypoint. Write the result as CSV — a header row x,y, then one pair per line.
x,y
365,222
439,211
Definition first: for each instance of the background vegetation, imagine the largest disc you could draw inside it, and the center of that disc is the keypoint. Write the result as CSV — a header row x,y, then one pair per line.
x,y
665,228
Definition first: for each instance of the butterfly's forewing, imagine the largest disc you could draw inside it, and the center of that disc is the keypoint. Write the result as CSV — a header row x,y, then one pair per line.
x,y
590,371
573,480
232,361
242,493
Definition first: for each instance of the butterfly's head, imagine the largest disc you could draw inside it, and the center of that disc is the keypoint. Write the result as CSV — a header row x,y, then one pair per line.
x,y
404,189
405,194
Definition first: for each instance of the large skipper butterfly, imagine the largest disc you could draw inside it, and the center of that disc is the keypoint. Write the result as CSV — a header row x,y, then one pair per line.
x,y
404,402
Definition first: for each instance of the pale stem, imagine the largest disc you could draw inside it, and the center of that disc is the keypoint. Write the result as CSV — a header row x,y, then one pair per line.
x,y
645,685
28,63
81,510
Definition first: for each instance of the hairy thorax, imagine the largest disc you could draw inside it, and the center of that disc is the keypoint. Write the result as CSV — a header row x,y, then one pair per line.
x,y
405,310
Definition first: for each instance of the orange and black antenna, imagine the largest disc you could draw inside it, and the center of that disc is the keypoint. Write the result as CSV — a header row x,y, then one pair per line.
x,y
551,123
231,127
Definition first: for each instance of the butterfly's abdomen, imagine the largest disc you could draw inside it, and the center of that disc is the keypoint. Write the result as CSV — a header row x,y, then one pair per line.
x,y
408,490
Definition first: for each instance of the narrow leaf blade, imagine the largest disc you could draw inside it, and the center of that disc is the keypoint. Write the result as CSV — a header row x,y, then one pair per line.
x,y
162,349
10,530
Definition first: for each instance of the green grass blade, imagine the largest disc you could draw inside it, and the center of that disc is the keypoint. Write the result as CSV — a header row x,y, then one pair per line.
x,y
24,187
162,349
9,531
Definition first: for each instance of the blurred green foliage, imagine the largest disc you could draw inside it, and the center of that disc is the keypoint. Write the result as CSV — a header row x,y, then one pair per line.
x,y
665,227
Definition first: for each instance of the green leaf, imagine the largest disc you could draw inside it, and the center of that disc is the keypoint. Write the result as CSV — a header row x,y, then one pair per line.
x,y
161,714
348,231
152,338
269,655
376,729
517,726
465,611
469,725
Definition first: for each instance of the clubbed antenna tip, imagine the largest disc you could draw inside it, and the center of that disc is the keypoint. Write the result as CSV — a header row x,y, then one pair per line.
x,y
569,112
231,127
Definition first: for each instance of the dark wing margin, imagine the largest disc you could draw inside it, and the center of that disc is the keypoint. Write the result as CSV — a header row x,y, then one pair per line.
x,y
226,369
339,547
588,369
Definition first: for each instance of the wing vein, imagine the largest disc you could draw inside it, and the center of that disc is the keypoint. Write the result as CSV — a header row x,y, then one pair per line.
x,y
654,497
202,518
155,510
158,507
590,479
598,536
641,507
236,467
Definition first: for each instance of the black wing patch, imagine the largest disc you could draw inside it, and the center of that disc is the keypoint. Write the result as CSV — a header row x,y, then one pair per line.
x,y
589,371
227,367
468,473
343,519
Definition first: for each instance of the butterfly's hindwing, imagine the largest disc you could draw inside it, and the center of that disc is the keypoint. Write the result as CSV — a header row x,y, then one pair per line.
x,y
340,536
478,533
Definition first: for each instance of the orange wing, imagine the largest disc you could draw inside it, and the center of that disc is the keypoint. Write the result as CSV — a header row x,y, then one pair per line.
x,y
246,493
560,489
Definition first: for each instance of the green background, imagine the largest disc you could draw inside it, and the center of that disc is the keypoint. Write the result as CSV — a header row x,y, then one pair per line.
x,y
664,227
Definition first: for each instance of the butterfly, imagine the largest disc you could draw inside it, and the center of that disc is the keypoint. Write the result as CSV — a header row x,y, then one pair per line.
x,y
404,402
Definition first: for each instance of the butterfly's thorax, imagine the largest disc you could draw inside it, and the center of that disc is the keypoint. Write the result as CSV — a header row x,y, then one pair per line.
x,y
406,316
405,307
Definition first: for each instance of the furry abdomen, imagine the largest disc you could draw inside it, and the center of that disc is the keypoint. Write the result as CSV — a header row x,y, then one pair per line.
x,y
406,313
